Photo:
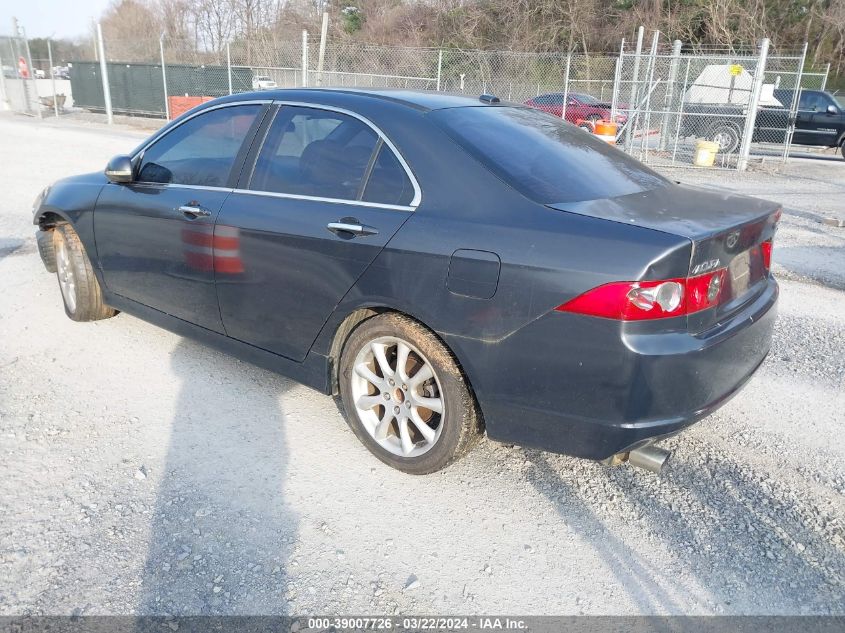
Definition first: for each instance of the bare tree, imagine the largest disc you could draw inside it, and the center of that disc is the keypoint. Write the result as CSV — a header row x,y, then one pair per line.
x,y
215,22
133,26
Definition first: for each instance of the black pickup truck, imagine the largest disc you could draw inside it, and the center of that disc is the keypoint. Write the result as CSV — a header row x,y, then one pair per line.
x,y
819,121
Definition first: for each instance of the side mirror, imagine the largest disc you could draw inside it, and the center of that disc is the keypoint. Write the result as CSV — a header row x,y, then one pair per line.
x,y
120,170
831,109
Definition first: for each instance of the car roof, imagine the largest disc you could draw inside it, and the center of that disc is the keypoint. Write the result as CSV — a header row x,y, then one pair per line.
x,y
417,99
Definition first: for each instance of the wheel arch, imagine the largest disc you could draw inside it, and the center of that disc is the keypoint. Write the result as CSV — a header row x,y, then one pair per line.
x,y
363,313
49,218
724,123
341,334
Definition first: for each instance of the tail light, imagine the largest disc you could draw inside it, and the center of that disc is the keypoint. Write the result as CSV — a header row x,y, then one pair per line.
x,y
642,300
766,250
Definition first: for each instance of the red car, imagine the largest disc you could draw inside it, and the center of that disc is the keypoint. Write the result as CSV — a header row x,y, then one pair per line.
x,y
579,107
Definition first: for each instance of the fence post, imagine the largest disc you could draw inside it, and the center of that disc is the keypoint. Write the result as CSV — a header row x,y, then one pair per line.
x,y
324,31
632,107
164,77
826,73
670,94
753,101
680,113
304,58
16,56
31,71
104,71
52,77
617,76
229,66
439,67
793,107
4,95
566,86
652,62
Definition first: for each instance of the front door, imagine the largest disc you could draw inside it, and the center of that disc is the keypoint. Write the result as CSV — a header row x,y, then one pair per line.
x,y
828,119
325,196
813,124
155,235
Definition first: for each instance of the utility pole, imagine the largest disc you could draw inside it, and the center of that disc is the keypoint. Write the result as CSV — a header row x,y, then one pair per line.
x,y
104,72
322,55
52,76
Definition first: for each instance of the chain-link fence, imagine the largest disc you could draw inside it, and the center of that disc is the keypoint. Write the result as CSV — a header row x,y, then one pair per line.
x,y
18,90
670,102
672,106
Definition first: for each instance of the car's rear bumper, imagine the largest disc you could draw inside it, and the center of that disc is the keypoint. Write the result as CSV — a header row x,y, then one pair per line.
x,y
593,387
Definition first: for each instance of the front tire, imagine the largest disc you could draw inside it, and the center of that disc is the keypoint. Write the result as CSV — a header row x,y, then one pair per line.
x,y
404,396
81,292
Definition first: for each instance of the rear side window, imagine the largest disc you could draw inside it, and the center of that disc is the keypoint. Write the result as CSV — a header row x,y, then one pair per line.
x,y
544,158
202,150
314,152
388,182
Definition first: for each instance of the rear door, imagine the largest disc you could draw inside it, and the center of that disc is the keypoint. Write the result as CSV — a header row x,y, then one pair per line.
x,y
315,206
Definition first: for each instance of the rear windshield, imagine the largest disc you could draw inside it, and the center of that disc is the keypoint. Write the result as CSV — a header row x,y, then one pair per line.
x,y
544,158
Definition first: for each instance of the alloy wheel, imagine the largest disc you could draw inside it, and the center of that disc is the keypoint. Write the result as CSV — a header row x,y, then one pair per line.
x,y
397,396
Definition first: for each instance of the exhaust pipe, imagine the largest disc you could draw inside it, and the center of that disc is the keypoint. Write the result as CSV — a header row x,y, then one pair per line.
x,y
649,457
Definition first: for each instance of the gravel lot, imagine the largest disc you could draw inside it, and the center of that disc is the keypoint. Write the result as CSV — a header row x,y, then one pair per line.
x,y
145,473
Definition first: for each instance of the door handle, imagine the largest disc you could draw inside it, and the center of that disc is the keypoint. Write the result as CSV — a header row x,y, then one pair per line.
x,y
351,226
194,210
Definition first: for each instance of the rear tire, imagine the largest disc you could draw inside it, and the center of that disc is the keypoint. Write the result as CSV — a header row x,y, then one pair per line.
x,y
390,368
726,136
81,292
842,149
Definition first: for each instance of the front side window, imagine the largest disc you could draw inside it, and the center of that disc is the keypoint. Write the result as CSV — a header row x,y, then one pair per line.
x,y
314,152
812,102
826,102
201,151
544,158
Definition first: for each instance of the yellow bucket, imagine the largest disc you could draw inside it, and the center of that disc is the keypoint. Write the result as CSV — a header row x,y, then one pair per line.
x,y
705,153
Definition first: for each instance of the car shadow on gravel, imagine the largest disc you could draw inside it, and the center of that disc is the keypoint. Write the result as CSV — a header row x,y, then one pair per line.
x,y
637,576
221,532
754,545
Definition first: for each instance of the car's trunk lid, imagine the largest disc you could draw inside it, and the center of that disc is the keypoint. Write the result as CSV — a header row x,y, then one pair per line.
x,y
726,232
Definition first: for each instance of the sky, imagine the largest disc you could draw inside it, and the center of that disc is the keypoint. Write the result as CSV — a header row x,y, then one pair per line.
x,y
43,18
